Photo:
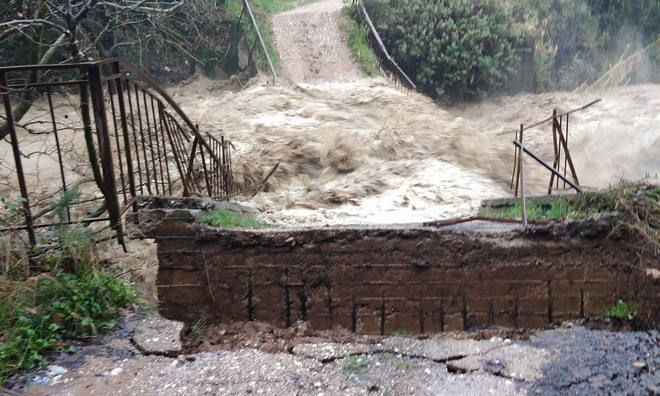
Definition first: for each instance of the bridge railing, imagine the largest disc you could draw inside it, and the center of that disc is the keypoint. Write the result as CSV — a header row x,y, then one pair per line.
x,y
376,43
97,136
560,137
247,9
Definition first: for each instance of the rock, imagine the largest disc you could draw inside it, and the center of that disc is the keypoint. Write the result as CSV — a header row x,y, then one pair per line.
x,y
243,54
641,366
54,370
116,371
155,335
494,366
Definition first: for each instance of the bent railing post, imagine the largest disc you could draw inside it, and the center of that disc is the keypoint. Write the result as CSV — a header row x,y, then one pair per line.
x,y
560,135
156,138
545,164
124,126
567,154
110,192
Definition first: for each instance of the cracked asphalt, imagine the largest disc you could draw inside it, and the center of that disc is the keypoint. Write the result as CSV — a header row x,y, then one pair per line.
x,y
567,361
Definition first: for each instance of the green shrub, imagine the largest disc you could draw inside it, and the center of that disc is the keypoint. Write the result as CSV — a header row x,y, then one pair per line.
x,y
70,299
457,49
355,365
621,310
576,41
54,292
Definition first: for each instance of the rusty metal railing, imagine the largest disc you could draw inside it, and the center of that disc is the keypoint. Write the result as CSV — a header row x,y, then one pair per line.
x,y
253,21
387,62
112,134
560,137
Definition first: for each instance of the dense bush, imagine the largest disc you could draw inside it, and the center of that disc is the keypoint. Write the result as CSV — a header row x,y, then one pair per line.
x,y
639,19
465,49
454,48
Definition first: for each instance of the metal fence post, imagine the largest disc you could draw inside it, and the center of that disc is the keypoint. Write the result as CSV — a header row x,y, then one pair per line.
x,y
523,204
105,149
17,159
124,126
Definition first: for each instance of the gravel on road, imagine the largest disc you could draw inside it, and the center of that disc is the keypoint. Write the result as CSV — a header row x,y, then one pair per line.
x,y
567,361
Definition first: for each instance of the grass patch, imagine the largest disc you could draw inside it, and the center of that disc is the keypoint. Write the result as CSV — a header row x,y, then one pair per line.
x,y
405,365
279,6
355,365
387,355
56,294
399,332
636,206
555,210
199,330
225,218
621,310
357,41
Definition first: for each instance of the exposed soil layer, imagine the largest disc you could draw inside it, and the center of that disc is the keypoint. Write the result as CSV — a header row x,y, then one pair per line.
x,y
378,280
201,337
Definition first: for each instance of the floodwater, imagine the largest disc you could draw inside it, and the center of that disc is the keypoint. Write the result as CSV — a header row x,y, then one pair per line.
x,y
367,152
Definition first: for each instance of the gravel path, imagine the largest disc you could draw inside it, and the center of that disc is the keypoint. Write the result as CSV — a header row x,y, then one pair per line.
x,y
311,45
569,361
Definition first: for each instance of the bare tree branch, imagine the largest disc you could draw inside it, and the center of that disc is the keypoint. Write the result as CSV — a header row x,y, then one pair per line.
x,y
30,22
24,106
140,5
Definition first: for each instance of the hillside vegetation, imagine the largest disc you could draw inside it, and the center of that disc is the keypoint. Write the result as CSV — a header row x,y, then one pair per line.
x,y
466,49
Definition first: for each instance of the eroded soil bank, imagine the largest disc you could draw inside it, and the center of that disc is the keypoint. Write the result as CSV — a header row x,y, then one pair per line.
x,y
380,279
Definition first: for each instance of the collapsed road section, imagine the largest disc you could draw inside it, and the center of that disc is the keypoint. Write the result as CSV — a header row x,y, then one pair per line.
x,y
377,280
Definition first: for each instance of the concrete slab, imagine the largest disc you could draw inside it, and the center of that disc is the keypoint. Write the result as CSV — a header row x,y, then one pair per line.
x,y
155,335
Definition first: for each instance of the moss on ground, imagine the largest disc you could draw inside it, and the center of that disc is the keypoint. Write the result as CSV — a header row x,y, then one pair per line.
x,y
225,218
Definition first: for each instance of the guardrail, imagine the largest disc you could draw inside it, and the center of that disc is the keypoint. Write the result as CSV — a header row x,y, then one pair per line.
x,y
387,62
135,141
246,6
560,136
